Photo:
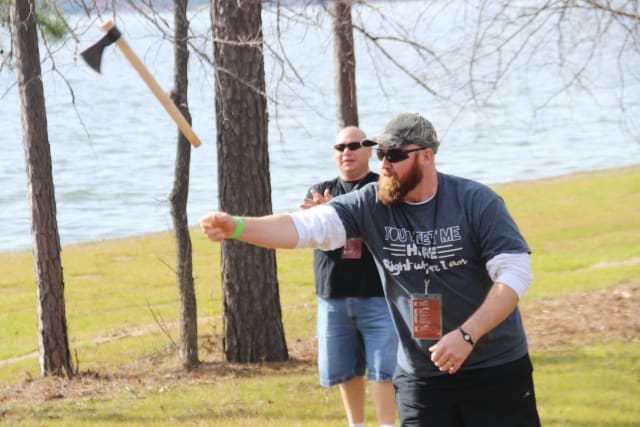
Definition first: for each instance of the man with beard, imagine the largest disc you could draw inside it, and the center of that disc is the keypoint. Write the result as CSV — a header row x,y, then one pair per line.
x,y
454,266
354,327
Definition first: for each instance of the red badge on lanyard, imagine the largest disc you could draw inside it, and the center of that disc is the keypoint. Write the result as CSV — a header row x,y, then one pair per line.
x,y
427,316
352,249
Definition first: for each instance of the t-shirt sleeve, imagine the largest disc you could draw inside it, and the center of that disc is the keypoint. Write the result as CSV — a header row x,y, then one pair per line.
x,y
496,228
355,209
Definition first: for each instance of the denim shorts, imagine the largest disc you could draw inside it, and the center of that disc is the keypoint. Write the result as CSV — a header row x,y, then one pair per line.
x,y
355,335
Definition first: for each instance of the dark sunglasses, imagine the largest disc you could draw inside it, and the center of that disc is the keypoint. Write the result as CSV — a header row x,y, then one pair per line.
x,y
352,146
396,155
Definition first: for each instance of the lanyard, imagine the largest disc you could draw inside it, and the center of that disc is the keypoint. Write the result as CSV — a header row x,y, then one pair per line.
x,y
432,244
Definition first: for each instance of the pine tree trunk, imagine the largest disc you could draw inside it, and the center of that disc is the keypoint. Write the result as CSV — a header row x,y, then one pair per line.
x,y
253,328
53,343
344,64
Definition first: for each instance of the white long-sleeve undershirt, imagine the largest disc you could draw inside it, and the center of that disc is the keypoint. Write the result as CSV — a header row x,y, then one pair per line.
x,y
319,227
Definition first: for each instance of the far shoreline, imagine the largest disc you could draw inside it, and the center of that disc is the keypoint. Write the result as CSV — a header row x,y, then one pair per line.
x,y
517,182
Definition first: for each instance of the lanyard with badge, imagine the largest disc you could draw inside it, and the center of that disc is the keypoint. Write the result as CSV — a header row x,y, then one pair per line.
x,y
427,313
426,308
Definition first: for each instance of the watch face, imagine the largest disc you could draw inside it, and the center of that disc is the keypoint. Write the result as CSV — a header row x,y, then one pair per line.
x,y
466,337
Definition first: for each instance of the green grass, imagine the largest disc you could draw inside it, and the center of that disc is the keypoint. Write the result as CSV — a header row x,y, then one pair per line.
x,y
584,230
589,386
580,227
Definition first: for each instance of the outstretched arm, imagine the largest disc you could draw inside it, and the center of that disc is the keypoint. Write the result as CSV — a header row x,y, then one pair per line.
x,y
271,231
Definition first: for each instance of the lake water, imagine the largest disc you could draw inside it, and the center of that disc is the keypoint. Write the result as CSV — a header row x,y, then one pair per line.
x,y
113,146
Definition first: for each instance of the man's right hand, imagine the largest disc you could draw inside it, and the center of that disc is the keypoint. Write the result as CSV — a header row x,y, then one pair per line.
x,y
217,226
316,199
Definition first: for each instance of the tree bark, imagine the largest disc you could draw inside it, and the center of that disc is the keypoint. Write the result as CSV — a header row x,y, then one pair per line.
x,y
344,60
253,328
180,194
54,356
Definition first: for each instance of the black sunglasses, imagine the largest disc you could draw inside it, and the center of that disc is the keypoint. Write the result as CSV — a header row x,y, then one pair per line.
x,y
352,146
396,155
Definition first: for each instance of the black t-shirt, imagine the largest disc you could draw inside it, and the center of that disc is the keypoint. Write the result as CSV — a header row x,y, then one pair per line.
x,y
338,277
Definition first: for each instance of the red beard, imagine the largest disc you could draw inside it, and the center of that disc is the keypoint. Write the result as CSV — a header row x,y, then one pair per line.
x,y
392,188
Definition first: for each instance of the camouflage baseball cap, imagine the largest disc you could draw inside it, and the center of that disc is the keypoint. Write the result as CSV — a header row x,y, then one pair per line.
x,y
405,129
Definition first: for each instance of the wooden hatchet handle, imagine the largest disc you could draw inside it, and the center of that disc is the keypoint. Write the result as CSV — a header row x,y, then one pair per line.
x,y
164,99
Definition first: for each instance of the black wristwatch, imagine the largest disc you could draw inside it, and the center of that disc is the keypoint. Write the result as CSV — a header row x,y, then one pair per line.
x,y
466,337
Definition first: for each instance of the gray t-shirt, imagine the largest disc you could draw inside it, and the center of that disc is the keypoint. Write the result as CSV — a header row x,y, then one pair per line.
x,y
453,235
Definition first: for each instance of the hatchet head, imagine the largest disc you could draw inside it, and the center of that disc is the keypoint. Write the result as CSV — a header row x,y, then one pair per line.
x,y
93,54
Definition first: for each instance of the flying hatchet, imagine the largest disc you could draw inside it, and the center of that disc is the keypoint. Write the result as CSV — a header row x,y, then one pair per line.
x,y
93,56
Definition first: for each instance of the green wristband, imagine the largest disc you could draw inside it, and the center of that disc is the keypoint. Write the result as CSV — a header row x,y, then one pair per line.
x,y
239,227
